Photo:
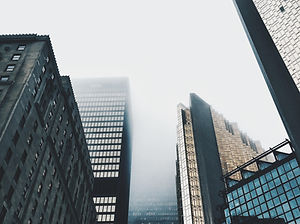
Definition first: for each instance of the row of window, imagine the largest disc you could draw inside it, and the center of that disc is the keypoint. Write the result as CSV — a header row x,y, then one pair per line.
x,y
100,109
107,160
101,113
102,98
104,135
104,147
101,94
101,103
105,200
106,174
102,124
104,141
105,208
103,154
106,167
110,129
88,119
106,218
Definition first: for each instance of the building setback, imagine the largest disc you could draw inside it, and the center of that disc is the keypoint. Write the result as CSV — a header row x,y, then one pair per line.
x,y
104,111
208,146
272,28
271,192
45,172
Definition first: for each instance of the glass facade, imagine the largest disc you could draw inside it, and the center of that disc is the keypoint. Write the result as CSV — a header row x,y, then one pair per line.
x,y
272,192
103,106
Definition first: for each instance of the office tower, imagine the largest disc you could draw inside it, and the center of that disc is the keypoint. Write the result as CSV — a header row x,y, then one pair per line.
x,y
104,111
154,209
272,28
45,172
207,147
271,192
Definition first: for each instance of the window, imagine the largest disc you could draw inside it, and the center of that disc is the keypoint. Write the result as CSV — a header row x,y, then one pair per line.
x,y
28,107
17,175
1,173
21,47
24,156
8,156
2,214
22,122
16,138
10,193
29,140
44,69
35,125
10,68
16,57
4,78
282,9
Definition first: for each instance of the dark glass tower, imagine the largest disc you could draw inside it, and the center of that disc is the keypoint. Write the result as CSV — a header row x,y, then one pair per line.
x,y
45,172
273,31
104,111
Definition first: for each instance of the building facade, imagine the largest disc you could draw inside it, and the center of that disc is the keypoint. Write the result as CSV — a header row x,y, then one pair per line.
x,y
271,192
153,209
272,28
45,172
208,146
104,111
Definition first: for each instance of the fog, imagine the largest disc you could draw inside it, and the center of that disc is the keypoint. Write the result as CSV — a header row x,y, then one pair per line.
x,y
168,49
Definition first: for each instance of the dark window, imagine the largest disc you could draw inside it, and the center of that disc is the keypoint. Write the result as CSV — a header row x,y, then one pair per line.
x,y
22,122
282,9
10,68
28,107
1,174
10,193
21,47
17,175
34,207
16,138
29,140
16,57
24,156
2,214
4,78
35,125
8,156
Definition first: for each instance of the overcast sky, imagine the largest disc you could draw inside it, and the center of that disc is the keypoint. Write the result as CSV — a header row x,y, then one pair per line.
x,y
167,49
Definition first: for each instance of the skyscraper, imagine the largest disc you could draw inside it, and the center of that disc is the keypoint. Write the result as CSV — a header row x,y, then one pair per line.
x,y
104,111
45,172
273,191
273,31
208,146
153,209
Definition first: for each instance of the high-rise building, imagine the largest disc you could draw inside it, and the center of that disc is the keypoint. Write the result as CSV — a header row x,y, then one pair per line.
x,y
154,209
273,31
208,146
104,111
273,191
45,172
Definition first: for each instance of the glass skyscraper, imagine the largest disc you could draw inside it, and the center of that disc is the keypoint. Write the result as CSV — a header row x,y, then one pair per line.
x,y
104,110
272,28
271,192
208,146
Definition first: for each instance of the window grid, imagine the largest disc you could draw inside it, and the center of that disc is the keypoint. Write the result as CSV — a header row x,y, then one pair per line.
x,y
275,194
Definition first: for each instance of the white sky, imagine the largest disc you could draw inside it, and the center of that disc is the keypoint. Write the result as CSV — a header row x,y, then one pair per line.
x,y
167,49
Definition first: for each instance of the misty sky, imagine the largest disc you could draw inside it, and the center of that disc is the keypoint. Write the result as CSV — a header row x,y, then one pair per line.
x,y
167,49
